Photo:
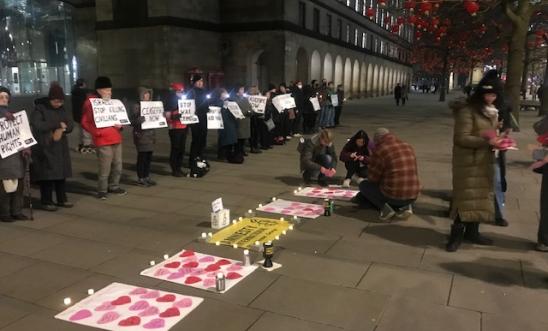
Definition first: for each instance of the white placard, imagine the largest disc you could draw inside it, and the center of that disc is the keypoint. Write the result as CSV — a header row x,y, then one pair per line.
x,y
235,109
187,109
15,135
258,103
315,103
107,113
153,112
335,100
283,102
214,118
217,205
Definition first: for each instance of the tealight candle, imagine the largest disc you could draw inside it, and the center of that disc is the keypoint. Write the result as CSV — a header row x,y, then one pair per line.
x,y
284,232
240,218
257,243
274,199
234,221
152,263
277,237
204,235
209,234
282,219
166,256
291,227
250,211
67,301
218,243
260,205
235,245
91,291
295,218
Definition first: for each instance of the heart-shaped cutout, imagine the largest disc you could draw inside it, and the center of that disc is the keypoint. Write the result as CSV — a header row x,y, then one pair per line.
x,y
177,275
184,303
123,300
235,267
192,280
80,315
192,264
130,321
197,272
139,305
233,275
150,311
156,323
206,259
223,262
172,265
166,298
186,253
138,291
105,306
111,316
212,267
150,295
209,282
170,312
161,272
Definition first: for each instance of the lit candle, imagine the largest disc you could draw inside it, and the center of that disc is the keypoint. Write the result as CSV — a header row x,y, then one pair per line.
x,y
274,199
257,243
291,227
204,235
282,219
295,218
295,191
277,237
284,232
209,234
234,221
235,245
166,256
67,301
91,291
152,263
218,243
250,211
240,218
300,188
260,205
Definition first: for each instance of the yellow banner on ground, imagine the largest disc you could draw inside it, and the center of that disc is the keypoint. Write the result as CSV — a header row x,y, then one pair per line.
x,y
250,230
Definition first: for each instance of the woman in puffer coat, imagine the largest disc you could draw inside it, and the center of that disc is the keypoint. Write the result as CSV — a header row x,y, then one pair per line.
x,y
144,140
473,167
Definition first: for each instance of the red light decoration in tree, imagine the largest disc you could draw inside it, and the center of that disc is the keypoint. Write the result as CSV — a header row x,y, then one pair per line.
x,y
400,20
410,5
412,20
425,7
370,12
382,3
471,7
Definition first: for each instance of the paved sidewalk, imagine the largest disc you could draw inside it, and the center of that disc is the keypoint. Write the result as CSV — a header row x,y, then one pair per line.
x,y
345,272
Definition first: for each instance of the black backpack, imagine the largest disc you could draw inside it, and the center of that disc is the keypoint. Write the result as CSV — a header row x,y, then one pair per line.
x,y
199,168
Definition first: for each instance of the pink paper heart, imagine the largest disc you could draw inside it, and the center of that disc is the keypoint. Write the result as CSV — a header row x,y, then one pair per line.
x,y
197,272
235,267
80,315
269,209
138,291
209,282
105,306
184,303
156,323
139,305
108,317
150,295
190,259
161,272
150,311
177,275
207,259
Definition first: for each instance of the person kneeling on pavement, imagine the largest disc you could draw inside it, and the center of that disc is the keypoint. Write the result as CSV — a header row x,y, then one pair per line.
x,y
318,157
355,155
393,183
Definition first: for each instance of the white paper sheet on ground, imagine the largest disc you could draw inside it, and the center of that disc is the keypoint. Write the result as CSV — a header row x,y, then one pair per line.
x,y
283,102
234,108
107,113
15,135
198,270
215,119
315,103
126,307
187,109
293,208
334,193
258,103
153,112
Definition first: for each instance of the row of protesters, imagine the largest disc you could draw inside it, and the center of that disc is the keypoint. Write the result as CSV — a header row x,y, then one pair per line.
x,y
541,167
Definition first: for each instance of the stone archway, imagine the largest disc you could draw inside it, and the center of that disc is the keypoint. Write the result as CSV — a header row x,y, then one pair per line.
x,y
315,66
369,80
258,73
328,67
363,80
356,79
339,71
380,90
375,82
348,76
302,65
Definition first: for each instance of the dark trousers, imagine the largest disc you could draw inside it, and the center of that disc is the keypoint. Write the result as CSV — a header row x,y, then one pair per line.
x,y
353,168
372,193
46,191
144,159
199,140
338,111
403,101
240,148
309,122
255,132
178,145
543,225
265,136
398,101
323,160
11,204
298,123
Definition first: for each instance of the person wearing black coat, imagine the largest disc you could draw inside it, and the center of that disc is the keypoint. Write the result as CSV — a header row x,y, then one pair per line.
x,y
78,97
199,130
309,115
297,93
144,140
51,163
355,155
397,94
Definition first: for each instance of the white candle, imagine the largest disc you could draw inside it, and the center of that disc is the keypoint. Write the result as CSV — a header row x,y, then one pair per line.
x,y
152,263
91,291
295,218
260,205
300,188
250,211
257,243
246,252
209,234
282,219
274,199
204,235
295,191
67,301
240,218
166,256
284,232
291,227
218,243
235,245
277,237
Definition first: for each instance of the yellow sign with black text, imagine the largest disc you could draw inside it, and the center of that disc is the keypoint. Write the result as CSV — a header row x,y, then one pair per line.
x,y
250,230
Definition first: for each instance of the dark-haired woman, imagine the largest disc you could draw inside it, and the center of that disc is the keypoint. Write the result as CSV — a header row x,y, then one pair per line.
x,y
355,156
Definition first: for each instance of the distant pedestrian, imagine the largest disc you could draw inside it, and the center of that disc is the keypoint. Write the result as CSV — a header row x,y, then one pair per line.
x,y
398,94
339,108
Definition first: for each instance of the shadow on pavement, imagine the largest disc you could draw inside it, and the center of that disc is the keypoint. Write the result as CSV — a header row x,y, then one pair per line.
x,y
290,180
409,236
444,195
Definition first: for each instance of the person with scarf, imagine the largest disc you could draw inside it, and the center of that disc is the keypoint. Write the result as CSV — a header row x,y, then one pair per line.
x,y
355,155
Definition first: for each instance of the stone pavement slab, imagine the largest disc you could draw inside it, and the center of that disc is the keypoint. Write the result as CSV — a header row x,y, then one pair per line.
x,y
276,322
507,322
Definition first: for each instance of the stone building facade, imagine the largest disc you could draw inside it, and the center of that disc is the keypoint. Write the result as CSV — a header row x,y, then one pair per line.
x,y
155,42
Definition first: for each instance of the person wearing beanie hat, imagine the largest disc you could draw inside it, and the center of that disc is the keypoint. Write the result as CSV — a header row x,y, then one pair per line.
x,y
12,172
199,130
144,139
78,97
108,143
51,164
177,130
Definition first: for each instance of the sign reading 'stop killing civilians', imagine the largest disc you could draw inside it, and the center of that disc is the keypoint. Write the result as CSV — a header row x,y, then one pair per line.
x,y
107,113
15,135
153,112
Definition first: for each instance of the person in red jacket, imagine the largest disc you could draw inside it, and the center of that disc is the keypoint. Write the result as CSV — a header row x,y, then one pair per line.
x,y
177,130
108,142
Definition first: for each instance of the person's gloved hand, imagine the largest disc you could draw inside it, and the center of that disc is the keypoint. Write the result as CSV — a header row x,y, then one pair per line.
x,y
176,116
141,120
324,171
26,153
9,116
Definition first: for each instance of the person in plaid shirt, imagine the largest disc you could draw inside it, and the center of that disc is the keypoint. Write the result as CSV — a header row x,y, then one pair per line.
x,y
393,183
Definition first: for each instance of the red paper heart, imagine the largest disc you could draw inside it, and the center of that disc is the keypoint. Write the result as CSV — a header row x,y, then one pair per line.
x,y
170,312
212,267
121,300
223,262
233,275
192,280
186,254
173,265
192,264
131,321
166,298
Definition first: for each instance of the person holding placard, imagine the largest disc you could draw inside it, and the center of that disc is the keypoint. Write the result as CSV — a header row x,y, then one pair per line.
x,y
339,107
309,113
51,164
177,130
108,142
244,124
298,94
281,119
255,122
318,157
228,136
199,130
12,171
144,140
327,113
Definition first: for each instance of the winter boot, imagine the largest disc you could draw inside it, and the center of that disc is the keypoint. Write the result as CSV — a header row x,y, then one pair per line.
x,y
472,235
455,238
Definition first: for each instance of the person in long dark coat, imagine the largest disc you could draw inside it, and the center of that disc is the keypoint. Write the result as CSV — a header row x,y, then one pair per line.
x,y
228,136
397,94
244,125
51,164
144,140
